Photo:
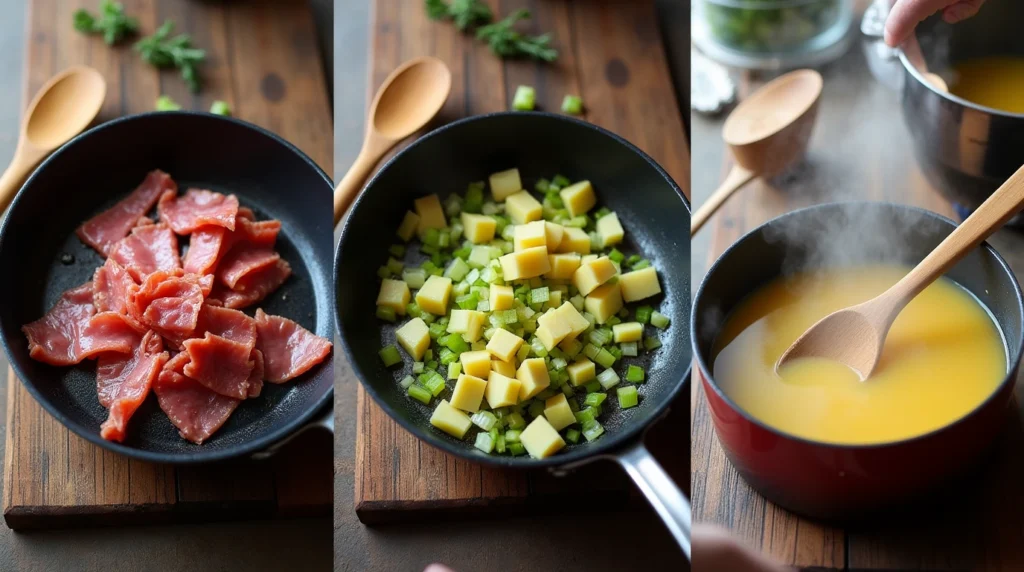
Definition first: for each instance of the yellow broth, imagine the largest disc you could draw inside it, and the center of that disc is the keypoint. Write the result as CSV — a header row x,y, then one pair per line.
x,y
996,82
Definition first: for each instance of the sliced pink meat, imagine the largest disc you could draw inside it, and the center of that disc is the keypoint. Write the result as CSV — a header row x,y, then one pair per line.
x,y
289,350
254,287
243,260
227,323
56,337
256,375
108,332
123,382
112,286
104,230
220,364
258,233
196,208
193,408
146,250
168,303
204,249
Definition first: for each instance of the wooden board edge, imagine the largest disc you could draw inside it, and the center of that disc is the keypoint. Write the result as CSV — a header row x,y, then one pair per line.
x,y
8,491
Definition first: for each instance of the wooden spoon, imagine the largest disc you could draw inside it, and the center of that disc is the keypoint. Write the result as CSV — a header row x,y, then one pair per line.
x,y
407,100
63,108
854,336
767,132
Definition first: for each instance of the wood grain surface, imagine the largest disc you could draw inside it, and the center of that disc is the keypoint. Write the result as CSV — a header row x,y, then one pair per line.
x,y
263,59
610,53
860,150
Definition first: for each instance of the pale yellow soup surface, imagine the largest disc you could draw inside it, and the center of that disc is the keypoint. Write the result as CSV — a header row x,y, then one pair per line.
x,y
996,82
943,357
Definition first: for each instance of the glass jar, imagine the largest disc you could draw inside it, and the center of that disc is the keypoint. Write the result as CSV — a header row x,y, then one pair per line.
x,y
773,34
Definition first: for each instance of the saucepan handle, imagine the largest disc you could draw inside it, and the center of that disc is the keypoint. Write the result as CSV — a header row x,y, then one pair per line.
x,y
325,422
663,494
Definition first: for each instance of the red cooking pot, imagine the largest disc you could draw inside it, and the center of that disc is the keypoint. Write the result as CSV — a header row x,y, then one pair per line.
x,y
838,482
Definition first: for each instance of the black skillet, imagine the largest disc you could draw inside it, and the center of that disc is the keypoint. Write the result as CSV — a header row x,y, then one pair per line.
x,y
653,211
98,168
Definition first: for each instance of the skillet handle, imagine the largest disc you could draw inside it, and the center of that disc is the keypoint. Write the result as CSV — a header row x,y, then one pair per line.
x,y
663,494
325,421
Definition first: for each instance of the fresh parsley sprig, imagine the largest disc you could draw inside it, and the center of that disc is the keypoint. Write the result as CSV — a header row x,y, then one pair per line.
x,y
506,42
465,14
162,51
111,22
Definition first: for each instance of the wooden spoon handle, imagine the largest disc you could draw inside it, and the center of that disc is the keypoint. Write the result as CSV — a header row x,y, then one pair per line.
x,y
350,185
734,181
10,182
988,218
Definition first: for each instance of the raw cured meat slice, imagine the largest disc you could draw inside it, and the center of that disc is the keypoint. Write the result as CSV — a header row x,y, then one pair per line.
x,y
108,332
220,364
243,260
204,249
227,323
254,286
258,233
146,250
194,409
196,208
56,337
168,303
123,382
112,286
256,375
289,350
104,230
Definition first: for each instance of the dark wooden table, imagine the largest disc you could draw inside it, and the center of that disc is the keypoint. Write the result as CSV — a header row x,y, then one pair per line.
x,y
860,150
520,543
301,544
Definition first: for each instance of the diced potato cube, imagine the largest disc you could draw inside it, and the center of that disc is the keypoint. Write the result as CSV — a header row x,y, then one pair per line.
x,y
504,344
505,368
554,235
639,284
468,393
604,302
589,258
502,297
610,230
628,332
414,336
502,390
592,274
451,420
523,208
533,375
476,363
478,228
557,412
552,328
577,323
581,371
433,296
409,225
554,298
469,323
563,265
431,213
530,235
540,439
574,240
525,263
394,294
578,198
505,183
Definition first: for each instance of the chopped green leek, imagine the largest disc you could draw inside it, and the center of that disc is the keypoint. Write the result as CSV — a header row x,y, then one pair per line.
x,y
634,374
627,396
629,349
524,98
419,393
484,420
572,104
659,320
643,314
515,421
605,358
390,356
386,313
651,343
595,399
407,381
484,442
435,384
572,436
592,430
608,378
560,181
516,449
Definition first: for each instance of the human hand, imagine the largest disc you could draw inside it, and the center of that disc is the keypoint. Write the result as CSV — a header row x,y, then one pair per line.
x,y
907,14
715,549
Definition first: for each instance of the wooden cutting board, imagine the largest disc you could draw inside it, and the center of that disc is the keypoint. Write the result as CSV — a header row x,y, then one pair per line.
x,y
262,58
612,56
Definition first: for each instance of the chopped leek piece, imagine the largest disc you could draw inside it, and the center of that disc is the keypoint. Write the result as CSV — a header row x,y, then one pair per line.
x,y
524,99
651,343
604,358
642,264
560,181
627,396
608,379
419,393
407,381
592,430
386,313
414,277
539,295
484,442
517,449
572,436
515,421
659,320
572,104
484,420
585,416
643,314
454,370
629,349
435,384
634,374
417,367
592,386
512,435
595,399
390,356
616,256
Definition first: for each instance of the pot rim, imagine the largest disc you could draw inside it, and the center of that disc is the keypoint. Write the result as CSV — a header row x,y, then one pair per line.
x,y
1013,361
916,74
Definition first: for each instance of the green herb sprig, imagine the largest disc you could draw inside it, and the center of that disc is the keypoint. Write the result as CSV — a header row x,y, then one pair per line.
x,y
111,22
506,42
162,51
465,14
